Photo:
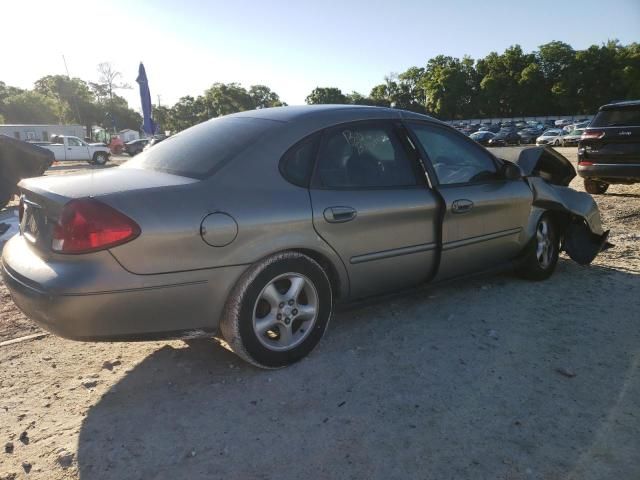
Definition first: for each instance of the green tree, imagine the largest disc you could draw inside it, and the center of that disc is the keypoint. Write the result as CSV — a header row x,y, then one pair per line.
x,y
74,100
326,95
29,107
224,99
263,97
449,86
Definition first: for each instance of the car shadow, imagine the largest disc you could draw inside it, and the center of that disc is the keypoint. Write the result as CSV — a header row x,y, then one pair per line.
x,y
494,377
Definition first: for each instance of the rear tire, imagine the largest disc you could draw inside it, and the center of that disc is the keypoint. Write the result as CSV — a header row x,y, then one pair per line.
x,y
278,311
595,187
542,255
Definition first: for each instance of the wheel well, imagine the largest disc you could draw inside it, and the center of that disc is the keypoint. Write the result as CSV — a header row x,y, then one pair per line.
x,y
328,267
561,220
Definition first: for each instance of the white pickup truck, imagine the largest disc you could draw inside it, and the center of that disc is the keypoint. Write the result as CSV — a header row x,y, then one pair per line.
x,y
73,148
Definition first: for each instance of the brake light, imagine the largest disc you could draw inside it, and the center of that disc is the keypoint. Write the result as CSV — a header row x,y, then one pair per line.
x,y
592,135
87,225
585,163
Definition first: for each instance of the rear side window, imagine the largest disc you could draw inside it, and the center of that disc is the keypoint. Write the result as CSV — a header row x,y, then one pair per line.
x,y
617,117
368,155
198,151
296,165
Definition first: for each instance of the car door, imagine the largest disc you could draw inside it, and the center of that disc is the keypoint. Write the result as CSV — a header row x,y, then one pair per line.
x,y
371,205
485,214
76,149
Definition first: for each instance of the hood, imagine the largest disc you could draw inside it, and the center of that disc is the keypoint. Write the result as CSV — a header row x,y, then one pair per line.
x,y
542,162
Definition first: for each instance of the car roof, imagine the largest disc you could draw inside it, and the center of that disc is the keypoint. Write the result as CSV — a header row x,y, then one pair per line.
x,y
622,104
344,112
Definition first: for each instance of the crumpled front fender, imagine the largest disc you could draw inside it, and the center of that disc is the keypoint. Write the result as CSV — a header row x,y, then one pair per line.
x,y
583,235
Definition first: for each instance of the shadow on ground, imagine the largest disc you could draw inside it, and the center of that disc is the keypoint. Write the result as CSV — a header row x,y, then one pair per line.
x,y
469,380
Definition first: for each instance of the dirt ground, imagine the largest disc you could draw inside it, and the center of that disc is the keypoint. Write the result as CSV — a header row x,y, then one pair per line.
x,y
488,378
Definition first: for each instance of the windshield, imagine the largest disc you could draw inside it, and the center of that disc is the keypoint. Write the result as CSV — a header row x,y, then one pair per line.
x,y
198,151
619,117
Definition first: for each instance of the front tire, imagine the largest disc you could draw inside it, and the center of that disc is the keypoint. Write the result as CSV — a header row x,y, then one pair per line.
x,y
542,256
100,158
595,187
278,311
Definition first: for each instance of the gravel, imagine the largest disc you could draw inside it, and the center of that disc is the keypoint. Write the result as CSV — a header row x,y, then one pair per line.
x,y
486,378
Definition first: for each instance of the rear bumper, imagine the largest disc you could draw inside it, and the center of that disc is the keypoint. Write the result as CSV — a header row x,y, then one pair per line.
x,y
623,172
136,307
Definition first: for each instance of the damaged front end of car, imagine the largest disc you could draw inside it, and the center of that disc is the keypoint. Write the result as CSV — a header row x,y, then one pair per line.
x,y
549,173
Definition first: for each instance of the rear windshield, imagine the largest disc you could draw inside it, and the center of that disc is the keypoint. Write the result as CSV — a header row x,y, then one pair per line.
x,y
198,151
619,117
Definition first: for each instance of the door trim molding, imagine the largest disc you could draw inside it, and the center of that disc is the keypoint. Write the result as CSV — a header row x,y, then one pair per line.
x,y
395,252
481,238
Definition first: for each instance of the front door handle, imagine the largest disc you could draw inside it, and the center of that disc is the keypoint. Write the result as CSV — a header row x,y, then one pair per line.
x,y
339,214
461,206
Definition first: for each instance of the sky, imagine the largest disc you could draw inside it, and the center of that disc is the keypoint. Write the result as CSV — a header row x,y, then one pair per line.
x,y
292,47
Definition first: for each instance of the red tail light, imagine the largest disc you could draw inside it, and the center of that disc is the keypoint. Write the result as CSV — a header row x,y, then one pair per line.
x,y
87,225
585,163
592,135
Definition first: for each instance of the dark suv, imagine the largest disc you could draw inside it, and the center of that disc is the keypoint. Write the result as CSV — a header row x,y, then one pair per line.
x,y
609,149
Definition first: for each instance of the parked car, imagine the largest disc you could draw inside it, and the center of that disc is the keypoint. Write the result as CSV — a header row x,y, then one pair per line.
x,y
571,139
609,149
490,127
528,135
506,136
19,160
156,139
575,126
255,224
73,148
562,122
482,137
550,137
135,147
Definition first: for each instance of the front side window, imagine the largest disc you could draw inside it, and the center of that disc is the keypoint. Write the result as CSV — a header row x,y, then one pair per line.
x,y
364,156
73,142
454,159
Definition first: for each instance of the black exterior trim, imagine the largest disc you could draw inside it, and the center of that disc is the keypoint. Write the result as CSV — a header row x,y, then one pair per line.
x,y
396,252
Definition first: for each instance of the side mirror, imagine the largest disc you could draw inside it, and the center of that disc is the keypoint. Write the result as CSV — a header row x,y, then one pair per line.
x,y
511,171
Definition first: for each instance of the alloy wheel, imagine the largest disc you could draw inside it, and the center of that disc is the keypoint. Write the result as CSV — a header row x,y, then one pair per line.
x,y
544,249
285,312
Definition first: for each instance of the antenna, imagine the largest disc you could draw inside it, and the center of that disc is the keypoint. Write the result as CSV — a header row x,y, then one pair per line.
x,y
75,103
65,66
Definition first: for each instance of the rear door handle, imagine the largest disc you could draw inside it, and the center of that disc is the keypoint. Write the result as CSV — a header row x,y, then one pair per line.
x,y
461,206
339,214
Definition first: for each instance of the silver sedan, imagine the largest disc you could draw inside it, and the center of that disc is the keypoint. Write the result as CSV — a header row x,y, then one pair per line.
x,y
255,225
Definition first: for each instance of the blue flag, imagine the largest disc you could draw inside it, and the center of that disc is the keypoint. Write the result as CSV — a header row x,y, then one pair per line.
x,y
148,125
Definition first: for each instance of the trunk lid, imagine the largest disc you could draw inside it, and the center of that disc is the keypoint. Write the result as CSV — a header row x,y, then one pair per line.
x,y
43,198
